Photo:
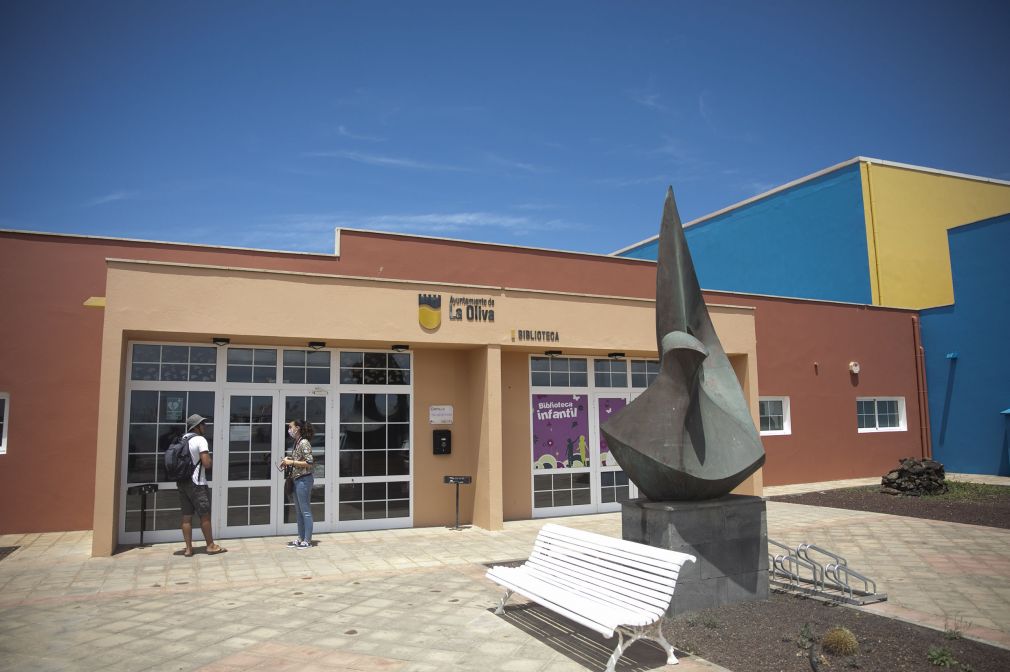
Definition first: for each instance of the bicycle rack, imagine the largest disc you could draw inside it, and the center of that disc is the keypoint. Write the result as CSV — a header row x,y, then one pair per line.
x,y
829,580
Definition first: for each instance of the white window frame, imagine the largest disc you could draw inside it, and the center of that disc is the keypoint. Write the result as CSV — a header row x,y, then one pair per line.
x,y
787,421
902,418
6,397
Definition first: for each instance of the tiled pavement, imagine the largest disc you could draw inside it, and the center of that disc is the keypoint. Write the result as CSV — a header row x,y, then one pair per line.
x,y
416,599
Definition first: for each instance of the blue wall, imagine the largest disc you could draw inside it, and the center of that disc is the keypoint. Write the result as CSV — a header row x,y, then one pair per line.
x,y
808,241
967,394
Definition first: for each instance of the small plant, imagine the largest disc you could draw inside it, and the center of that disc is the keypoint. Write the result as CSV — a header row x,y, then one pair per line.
x,y
941,656
688,647
710,621
965,491
703,619
840,642
806,638
965,667
956,629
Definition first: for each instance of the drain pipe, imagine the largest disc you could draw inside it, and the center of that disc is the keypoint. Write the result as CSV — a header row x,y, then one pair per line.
x,y
921,391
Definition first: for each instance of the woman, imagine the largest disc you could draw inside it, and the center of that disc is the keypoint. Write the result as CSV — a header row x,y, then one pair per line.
x,y
300,463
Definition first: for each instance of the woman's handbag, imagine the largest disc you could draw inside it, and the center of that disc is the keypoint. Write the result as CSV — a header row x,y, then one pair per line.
x,y
289,487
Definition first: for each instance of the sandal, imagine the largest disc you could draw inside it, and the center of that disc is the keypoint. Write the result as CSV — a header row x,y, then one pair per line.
x,y
216,550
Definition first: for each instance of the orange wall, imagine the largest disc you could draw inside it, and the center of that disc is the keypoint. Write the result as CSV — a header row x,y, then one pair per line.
x,y
804,350
52,349
517,486
442,377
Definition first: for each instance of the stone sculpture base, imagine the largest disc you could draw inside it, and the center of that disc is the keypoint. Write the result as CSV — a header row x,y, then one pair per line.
x,y
728,535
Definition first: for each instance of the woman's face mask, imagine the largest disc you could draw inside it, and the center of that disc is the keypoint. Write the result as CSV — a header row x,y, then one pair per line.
x,y
292,432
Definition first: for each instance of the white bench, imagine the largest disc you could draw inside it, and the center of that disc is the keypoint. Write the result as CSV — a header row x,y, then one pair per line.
x,y
608,585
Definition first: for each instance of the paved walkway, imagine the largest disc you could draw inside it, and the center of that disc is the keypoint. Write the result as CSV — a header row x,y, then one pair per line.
x,y
416,600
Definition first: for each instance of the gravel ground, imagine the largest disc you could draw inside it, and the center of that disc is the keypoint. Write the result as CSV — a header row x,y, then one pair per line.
x,y
974,505
777,634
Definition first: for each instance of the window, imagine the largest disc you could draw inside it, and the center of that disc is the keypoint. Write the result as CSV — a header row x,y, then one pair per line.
x,y
375,368
551,490
156,418
374,442
643,372
558,372
307,366
252,365
774,412
614,486
174,363
610,372
374,435
5,399
881,414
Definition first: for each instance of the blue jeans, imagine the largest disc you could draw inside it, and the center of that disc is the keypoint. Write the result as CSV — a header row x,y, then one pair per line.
x,y
303,509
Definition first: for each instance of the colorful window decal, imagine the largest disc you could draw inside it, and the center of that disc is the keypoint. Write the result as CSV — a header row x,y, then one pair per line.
x,y
560,431
607,407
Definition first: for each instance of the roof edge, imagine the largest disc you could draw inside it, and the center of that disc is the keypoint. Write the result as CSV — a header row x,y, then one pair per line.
x,y
747,201
812,176
463,241
166,242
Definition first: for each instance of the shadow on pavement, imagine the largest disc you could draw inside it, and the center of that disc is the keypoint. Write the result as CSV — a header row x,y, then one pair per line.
x,y
580,644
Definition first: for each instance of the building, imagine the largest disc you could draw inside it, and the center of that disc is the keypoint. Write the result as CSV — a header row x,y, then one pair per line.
x,y
966,361
518,352
887,234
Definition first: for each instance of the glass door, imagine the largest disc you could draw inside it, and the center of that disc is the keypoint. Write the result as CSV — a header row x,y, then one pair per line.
x,y
248,471
563,458
375,461
313,408
612,484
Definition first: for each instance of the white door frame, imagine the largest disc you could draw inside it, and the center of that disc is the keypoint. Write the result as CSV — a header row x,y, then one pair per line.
x,y
594,443
222,456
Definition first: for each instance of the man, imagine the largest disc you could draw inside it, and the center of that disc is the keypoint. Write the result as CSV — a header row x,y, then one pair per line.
x,y
194,494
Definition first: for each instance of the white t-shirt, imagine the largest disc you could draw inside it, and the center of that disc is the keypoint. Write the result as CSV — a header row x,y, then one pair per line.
x,y
197,445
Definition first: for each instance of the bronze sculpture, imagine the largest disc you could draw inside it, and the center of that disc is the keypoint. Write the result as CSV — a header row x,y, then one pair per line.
x,y
690,435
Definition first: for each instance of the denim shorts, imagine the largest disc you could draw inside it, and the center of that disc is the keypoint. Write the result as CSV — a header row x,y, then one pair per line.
x,y
194,498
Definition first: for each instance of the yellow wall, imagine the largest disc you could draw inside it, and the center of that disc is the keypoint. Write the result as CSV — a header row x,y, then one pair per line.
x,y
476,367
908,214
517,491
443,377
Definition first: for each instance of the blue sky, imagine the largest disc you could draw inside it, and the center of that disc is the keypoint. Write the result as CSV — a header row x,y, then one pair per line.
x,y
548,124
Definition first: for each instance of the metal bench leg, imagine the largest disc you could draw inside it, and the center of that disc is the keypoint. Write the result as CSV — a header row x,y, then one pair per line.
x,y
612,663
501,605
660,639
634,634
653,632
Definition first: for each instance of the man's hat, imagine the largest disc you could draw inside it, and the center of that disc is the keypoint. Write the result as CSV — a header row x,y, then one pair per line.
x,y
194,420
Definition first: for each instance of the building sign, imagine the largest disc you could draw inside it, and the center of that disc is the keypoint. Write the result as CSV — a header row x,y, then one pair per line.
x,y
440,415
461,309
560,431
471,309
429,311
534,336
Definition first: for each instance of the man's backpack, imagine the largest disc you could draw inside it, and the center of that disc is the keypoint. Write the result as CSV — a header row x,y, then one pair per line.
x,y
178,460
